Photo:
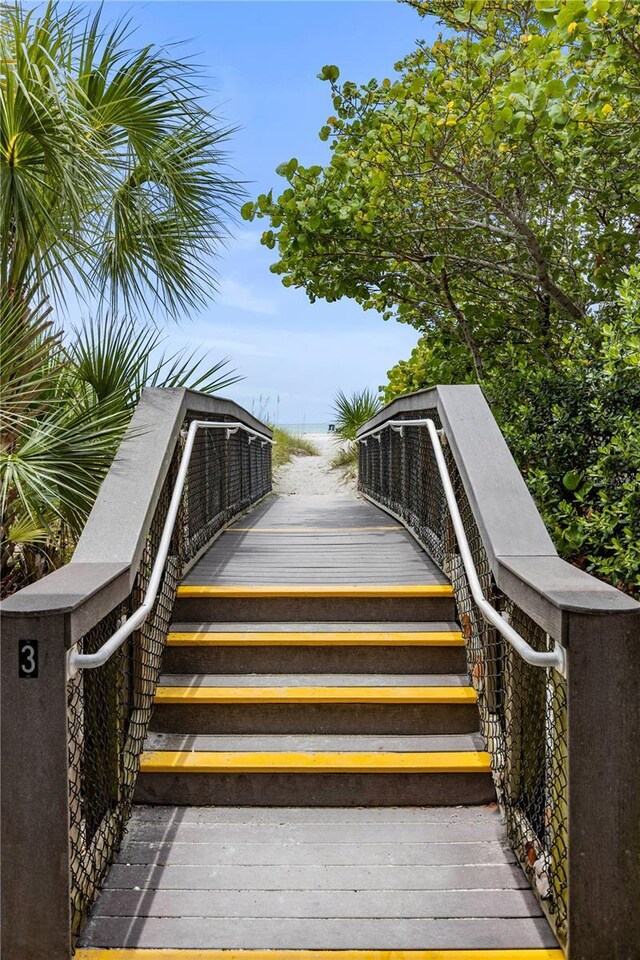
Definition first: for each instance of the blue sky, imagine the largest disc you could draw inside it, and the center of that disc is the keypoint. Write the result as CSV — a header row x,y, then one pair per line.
x,y
261,59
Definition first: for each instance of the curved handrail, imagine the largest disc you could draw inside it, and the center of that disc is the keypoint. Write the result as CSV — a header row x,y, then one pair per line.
x,y
79,661
555,658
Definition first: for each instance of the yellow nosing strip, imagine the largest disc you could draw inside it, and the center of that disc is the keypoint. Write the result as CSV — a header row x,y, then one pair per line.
x,y
244,695
333,639
311,590
140,953
205,761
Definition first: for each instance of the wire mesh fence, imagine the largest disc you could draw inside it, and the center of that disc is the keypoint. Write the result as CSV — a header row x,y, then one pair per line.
x,y
523,709
109,707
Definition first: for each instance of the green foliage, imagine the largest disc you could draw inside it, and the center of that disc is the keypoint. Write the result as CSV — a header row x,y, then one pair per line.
x,y
64,407
351,413
113,186
576,434
330,72
487,194
574,430
433,360
354,411
289,445
346,460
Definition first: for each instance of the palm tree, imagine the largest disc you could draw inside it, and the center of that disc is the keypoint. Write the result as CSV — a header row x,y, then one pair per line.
x,y
354,411
64,406
112,187
112,169
351,413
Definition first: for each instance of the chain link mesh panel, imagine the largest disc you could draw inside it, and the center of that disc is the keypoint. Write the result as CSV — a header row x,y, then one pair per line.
x,y
109,707
226,475
523,709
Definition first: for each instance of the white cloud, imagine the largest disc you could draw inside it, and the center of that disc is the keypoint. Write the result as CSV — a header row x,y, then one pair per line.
x,y
243,297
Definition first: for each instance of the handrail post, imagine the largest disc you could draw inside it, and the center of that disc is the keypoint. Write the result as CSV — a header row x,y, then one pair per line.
x,y
604,785
35,790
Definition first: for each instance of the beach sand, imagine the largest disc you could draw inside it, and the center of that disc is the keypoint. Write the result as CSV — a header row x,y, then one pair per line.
x,y
313,476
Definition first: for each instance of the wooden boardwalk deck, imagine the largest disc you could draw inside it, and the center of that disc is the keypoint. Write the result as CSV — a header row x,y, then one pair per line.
x,y
303,876
315,540
363,879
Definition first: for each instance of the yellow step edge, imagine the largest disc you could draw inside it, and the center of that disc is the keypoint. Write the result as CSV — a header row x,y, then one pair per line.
x,y
312,590
245,695
140,953
206,761
319,639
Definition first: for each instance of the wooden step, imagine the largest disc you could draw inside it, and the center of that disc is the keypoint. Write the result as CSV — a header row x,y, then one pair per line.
x,y
314,778
314,743
315,648
315,703
313,590
328,602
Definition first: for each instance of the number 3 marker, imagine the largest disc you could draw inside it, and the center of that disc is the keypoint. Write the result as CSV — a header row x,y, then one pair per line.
x,y
27,659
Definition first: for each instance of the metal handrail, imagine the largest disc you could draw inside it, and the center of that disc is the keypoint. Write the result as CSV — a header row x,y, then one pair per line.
x,y
78,661
556,658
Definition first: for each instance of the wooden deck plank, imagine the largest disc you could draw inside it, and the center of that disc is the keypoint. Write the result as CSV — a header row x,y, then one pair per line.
x,y
384,743
292,817
504,876
311,530
173,853
331,933
179,827
318,904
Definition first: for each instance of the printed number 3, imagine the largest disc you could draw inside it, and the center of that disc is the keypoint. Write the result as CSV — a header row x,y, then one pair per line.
x,y
28,662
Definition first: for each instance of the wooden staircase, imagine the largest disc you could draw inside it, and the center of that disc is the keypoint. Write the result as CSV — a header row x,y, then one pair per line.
x,y
255,712
314,784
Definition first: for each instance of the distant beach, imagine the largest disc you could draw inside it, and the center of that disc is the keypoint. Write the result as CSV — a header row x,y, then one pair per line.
x,y
303,428
314,476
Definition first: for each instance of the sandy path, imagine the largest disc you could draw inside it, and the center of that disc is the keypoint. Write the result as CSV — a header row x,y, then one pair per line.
x,y
313,476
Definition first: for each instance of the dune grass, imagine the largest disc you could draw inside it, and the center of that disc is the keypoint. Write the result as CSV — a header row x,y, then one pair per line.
x,y
290,445
346,460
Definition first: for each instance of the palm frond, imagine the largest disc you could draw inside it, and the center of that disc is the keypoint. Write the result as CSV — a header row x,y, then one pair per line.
x,y
352,412
117,360
114,184
114,175
185,369
30,358
111,356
